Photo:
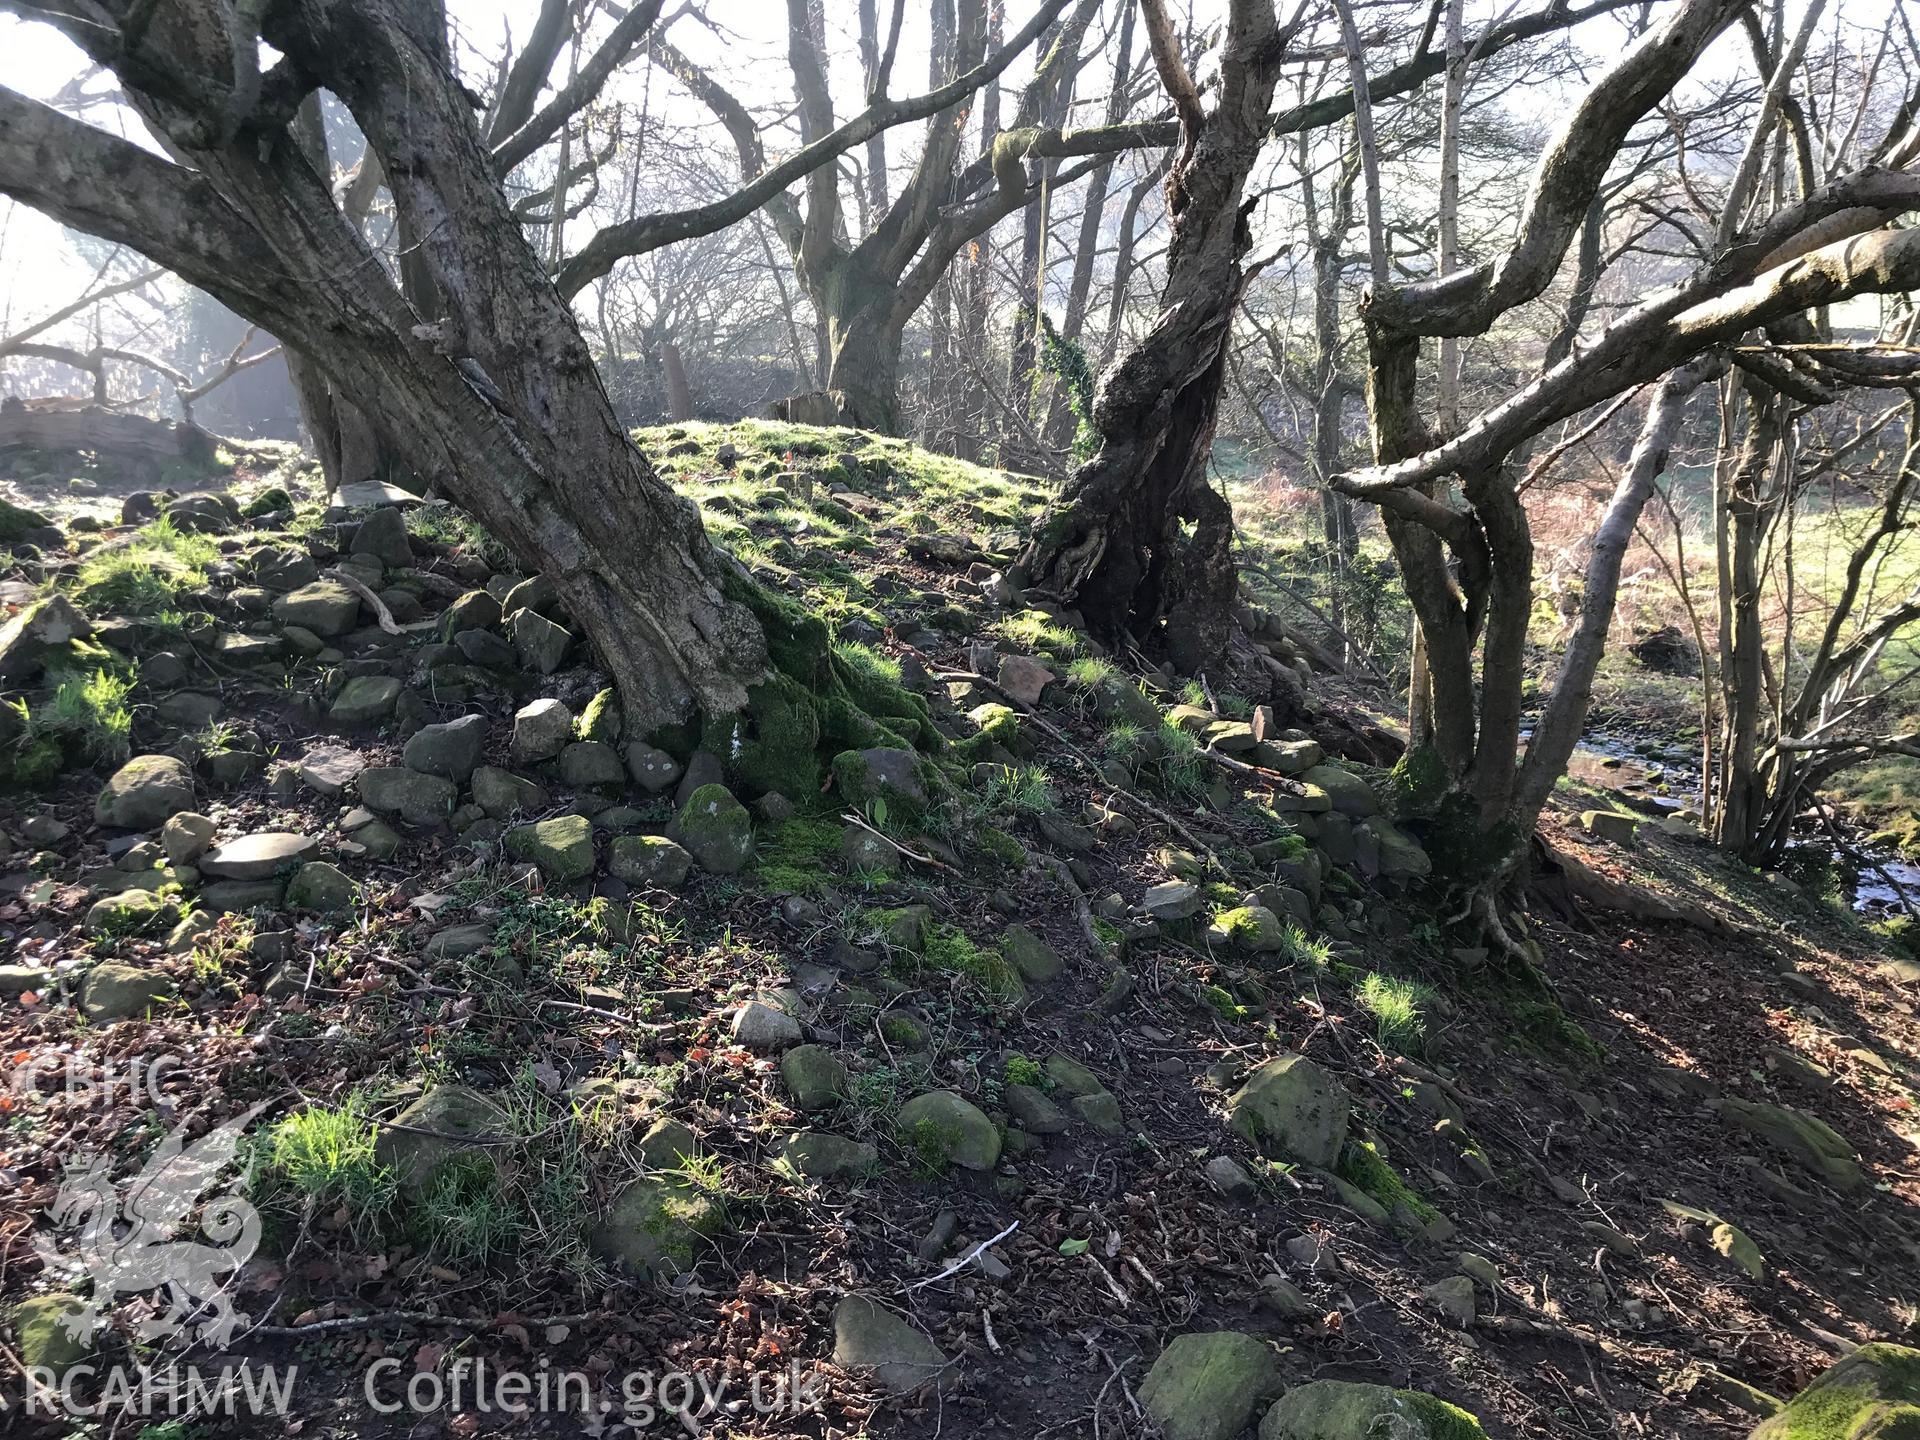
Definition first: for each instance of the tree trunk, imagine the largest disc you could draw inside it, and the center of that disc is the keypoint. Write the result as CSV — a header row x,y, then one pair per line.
x,y
1113,544
500,402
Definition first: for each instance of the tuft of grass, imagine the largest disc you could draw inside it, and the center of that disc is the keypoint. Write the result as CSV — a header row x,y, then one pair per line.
x,y
1395,1005
1089,672
87,712
325,1156
1035,630
1022,789
1183,773
147,575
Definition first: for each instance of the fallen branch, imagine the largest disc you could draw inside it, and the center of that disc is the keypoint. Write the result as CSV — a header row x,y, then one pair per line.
x,y
387,622
964,1261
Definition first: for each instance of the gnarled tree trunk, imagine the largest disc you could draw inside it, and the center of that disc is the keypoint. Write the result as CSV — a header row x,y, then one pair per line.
x,y
1114,544
498,400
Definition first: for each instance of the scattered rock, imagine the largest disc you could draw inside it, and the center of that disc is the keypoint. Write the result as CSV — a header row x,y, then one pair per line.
x,y
1024,678
1802,1137
1292,1109
716,830
365,700
562,847
322,887
942,1128
656,1224
1173,900
44,628
503,794
819,1155
330,769
765,1028
113,991
589,765
185,837
541,730
147,791
326,607
1614,826
448,1122
541,644
1343,1410
815,1077
649,862
383,534
1452,1297
258,856
1873,1394
451,750
654,771
416,798
869,1338
1208,1385
1029,954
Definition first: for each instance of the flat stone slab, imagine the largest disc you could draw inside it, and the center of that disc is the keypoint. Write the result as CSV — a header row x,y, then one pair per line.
x,y
260,856
330,769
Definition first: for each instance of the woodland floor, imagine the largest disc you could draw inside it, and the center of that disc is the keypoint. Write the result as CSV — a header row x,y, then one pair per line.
x,y
1121,1242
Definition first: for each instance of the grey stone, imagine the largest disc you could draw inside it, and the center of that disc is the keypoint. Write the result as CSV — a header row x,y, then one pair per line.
x,y
146,791
870,1339
416,798
322,887
649,861
818,1155
590,765
325,607
452,749
185,837
260,855
815,1077
365,699
652,770
384,534
716,830
943,1125
330,769
1293,1109
540,644
541,729
113,991
764,1028
503,794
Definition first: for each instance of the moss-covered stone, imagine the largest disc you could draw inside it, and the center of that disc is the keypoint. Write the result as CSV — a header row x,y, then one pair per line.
x,y
601,721
1873,1394
819,1155
1809,1140
815,1077
145,792
1207,1386
1029,954
323,887
122,992
821,699
942,1129
449,1123
130,912
657,1223
44,1333
562,847
1341,1410
716,830
1292,1109
651,861
1253,928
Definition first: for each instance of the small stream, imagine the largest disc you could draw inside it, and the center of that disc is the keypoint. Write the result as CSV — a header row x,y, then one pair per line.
x,y
1660,780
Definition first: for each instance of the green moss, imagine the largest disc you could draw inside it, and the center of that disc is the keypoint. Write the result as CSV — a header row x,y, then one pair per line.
x,y
17,522
821,699
1418,780
268,502
1360,1166
795,854
1543,1024
1020,1070
1877,1386
1000,847
1221,1000
950,950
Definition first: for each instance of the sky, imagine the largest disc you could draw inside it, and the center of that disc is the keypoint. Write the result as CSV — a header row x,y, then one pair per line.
x,y
38,268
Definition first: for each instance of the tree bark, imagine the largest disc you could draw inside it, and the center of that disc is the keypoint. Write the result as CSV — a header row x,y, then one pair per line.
x,y
499,401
